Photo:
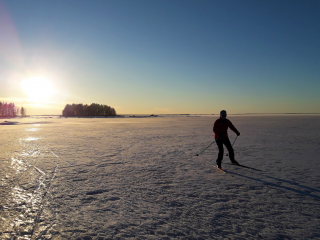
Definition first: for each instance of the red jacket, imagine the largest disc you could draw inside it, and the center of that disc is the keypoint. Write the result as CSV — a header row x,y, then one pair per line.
x,y
220,128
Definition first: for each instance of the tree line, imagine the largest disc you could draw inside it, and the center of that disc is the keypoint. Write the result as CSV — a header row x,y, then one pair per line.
x,y
11,110
80,110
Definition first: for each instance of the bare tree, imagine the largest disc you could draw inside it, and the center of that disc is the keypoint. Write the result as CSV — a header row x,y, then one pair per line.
x,y
23,112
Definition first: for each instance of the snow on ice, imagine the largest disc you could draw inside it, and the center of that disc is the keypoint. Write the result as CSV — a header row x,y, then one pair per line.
x,y
140,178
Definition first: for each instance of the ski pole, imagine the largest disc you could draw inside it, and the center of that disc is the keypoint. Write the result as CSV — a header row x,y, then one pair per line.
x,y
206,148
232,144
234,141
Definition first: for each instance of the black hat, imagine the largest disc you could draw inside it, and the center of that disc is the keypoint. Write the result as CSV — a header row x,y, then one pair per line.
x,y
223,113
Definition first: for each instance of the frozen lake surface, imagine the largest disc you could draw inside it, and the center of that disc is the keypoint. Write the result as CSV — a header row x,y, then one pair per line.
x,y
139,178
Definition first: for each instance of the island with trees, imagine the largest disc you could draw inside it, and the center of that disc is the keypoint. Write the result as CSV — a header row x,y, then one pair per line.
x,y
10,110
93,110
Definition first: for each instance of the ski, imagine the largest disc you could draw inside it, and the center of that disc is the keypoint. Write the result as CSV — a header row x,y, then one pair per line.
x,y
240,165
219,169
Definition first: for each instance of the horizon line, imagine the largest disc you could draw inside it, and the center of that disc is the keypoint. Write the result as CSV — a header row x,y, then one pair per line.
x,y
189,114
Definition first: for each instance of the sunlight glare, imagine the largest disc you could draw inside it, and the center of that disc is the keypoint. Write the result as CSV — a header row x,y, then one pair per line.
x,y
38,88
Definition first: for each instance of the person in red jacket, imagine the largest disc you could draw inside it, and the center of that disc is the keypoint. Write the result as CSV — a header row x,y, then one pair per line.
x,y
220,128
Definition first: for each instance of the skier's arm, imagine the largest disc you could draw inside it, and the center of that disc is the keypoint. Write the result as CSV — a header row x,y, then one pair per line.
x,y
215,130
233,128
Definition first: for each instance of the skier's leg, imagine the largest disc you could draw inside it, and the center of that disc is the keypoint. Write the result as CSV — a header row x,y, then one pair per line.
x,y
220,154
230,149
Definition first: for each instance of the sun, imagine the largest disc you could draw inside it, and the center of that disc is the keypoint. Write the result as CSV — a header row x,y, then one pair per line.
x,y
38,88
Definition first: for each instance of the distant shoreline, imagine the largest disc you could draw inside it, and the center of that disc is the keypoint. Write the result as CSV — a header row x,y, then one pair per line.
x,y
188,114
158,115
10,120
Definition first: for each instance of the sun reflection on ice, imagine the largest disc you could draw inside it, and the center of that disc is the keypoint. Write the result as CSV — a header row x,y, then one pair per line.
x,y
31,139
18,165
26,186
27,204
25,201
32,129
30,152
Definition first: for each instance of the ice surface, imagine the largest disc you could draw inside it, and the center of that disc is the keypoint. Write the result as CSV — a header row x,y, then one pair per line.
x,y
139,178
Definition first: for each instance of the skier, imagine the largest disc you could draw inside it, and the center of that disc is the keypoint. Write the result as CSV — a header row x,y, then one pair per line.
x,y
220,128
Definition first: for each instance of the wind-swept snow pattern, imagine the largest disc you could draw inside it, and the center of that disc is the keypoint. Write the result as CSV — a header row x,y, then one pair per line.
x,y
140,178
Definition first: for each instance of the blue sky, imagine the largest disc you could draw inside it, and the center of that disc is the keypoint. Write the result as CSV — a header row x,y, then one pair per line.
x,y
164,56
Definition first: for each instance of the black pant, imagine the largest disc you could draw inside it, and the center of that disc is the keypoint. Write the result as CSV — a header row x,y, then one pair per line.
x,y
228,145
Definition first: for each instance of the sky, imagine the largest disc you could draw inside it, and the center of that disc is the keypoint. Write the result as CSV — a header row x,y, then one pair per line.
x,y
161,56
